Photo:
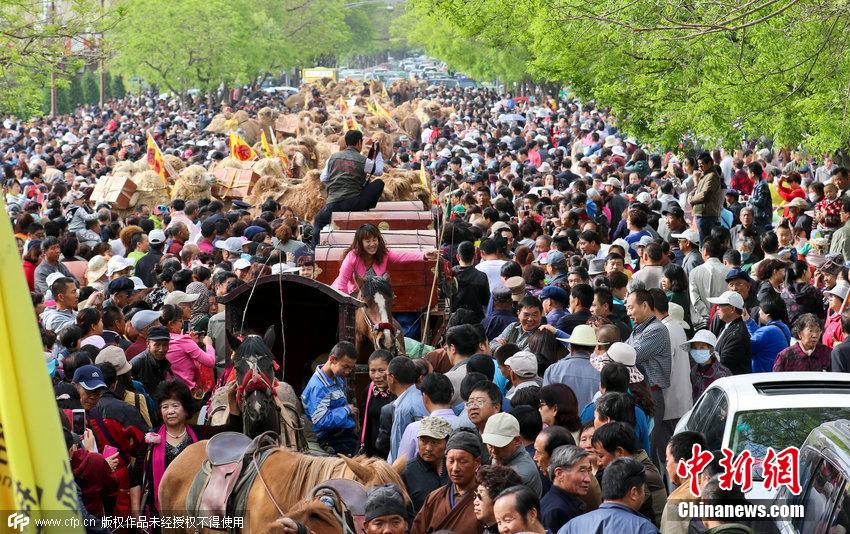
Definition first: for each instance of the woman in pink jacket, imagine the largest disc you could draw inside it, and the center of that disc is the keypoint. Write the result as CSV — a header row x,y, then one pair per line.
x,y
368,255
184,354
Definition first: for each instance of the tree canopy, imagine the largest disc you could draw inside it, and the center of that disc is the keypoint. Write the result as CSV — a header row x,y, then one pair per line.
x,y
710,71
35,43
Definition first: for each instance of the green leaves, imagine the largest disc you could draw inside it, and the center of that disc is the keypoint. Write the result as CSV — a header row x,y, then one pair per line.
x,y
691,70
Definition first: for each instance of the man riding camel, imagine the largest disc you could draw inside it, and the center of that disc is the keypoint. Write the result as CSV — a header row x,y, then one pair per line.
x,y
346,176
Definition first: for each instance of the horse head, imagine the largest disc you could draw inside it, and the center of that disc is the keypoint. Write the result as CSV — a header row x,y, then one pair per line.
x,y
256,384
377,294
315,515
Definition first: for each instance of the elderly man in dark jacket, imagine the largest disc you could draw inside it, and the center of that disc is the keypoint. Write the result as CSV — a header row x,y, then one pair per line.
x,y
733,345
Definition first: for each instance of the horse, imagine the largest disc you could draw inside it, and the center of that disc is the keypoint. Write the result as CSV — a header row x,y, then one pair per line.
x,y
284,480
375,327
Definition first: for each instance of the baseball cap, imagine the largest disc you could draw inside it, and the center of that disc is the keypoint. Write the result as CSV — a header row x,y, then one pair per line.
x,y
143,318
434,427
52,277
523,363
622,353
554,258
231,244
555,293
732,298
738,274
798,203
158,333
156,237
498,227
180,297
645,240
644,198
114,356
117,264
690,235
501,429
516,285
614,182
90,377
138,284
122,283
240,264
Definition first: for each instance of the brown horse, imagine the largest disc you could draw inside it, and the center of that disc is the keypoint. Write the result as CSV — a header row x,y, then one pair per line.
x,y
375,327
315,515
285,479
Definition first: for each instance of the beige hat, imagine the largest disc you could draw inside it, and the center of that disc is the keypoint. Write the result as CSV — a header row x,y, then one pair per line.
x,y
179,297
523,363
96,269
498,227
798,203
583,335
115,356
517,286
500,430
434,427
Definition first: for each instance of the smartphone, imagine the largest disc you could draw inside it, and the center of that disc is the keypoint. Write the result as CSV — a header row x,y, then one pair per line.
x,y
108,451
78,421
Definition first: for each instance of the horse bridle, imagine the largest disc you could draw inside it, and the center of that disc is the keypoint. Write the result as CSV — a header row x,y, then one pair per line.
x,y
256,380
377,327
326,495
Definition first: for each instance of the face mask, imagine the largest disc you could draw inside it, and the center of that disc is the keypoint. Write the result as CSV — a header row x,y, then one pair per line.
x,y
745,255
813,197
701,355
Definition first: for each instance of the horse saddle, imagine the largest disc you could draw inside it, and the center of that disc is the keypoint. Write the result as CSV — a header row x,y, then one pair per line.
x,y
229,468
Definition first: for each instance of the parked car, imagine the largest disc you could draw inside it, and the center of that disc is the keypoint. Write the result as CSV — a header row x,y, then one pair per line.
x,y
756,411
824,483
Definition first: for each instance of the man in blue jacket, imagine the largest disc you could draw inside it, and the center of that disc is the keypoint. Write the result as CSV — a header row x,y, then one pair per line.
x,y
326,404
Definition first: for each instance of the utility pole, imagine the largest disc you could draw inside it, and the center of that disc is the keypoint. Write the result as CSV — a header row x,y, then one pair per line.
x,y
51,17
101,63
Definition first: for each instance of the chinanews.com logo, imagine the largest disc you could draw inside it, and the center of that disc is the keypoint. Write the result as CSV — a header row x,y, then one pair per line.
x,y
17,521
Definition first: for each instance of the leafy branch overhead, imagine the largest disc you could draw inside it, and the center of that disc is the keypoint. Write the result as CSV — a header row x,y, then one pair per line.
x,y
709,71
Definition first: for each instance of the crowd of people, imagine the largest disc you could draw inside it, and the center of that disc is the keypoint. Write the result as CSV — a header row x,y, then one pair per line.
x,y
599,288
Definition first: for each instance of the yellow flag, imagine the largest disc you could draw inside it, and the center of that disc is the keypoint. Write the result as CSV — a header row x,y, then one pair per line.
x,y
239,149
266,148
384,92
37,482
427,183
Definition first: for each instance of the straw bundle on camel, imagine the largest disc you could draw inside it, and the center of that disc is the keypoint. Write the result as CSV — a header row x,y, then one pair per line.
x,y
295,102
272,167
305,198
124,167
176,163
150,188
193,183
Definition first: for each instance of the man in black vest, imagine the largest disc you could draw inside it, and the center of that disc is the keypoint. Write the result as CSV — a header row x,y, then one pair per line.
x,y
346,178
